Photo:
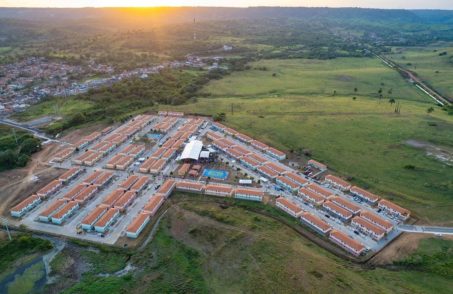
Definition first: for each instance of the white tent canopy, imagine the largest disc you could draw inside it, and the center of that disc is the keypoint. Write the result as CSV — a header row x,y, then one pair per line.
x,y
192,150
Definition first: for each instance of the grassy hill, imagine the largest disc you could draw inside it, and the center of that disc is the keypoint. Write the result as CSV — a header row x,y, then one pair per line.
x,y
363,139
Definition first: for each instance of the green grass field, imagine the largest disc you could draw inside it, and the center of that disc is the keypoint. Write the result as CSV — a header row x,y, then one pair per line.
x,y
55,107
346,76
363,138
435,69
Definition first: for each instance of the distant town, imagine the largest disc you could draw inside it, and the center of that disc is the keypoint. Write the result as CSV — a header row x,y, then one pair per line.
x,y
30,80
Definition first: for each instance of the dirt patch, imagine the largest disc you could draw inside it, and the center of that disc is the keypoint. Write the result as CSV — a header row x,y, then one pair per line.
x,y
441,153
19,183
76,135
68,270
344,78
402,247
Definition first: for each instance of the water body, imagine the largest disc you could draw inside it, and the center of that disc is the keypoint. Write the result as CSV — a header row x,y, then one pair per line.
x,y
40,264
19,273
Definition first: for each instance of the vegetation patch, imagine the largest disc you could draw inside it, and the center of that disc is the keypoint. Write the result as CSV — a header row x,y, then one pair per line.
x,y
433,256
21,246
16,147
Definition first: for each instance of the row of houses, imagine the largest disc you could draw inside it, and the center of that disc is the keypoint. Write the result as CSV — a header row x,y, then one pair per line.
x,y
112,141
364,221
63,154
150,208
165,125
63,208
222,190
351,245
133,150
275,153
283,175
387,206
120,162
104,215
171,113
51,188
317,164
88,158
104,147
134,125
58,211
157,161
87,140
143,218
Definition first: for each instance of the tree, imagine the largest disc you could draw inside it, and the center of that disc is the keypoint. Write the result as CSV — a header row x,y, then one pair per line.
x,y
355,90
30,146
429,110
392,101
219,116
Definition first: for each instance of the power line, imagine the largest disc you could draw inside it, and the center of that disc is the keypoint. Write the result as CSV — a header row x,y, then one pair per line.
x,y
5,224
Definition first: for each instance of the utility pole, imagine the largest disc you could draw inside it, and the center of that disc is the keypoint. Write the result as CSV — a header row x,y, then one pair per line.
x,y
5,224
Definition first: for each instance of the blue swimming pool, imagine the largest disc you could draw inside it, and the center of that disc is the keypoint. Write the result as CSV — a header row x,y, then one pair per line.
x,y
215,174
154,136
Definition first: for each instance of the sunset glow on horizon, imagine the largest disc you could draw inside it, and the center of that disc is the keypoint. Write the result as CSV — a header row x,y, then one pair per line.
x,y
414,4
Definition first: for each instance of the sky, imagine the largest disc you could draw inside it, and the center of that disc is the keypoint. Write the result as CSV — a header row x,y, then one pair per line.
x,y
408,4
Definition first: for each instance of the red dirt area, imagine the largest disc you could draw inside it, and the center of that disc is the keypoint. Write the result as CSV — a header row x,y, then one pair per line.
x,y
17,184
400,248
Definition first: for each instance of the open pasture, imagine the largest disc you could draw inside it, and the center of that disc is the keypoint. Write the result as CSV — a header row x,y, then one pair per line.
x,y
433,64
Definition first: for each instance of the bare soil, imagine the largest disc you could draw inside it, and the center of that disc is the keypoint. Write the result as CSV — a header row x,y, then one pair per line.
x,y
17,184
441,153
399,249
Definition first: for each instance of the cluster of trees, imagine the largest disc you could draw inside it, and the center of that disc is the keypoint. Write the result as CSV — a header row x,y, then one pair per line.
x,y
16,148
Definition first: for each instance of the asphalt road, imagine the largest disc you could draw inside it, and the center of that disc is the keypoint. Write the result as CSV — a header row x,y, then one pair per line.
x,y
426,229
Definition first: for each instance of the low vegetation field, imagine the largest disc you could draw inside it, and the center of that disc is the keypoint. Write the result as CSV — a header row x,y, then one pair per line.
x,y
363,139
433,64
340,76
